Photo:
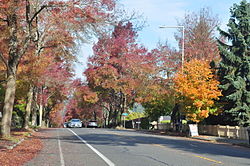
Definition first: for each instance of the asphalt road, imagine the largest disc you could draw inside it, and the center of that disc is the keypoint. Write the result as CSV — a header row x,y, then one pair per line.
x,y
100,147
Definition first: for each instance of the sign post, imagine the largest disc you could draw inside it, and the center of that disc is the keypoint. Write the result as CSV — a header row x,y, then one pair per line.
x,y
124,115
139,122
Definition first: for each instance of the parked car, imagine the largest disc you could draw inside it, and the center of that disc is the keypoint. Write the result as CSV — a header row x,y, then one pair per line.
x,y
75,123
92,124
65,124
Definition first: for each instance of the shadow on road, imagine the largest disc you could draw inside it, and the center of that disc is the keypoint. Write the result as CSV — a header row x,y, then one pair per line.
x,y
126,138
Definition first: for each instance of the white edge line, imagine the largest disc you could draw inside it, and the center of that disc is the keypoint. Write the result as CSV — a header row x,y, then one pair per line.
x,y
110,163
60,150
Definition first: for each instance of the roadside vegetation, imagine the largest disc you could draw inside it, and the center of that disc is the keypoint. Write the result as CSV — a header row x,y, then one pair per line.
x,y
40,41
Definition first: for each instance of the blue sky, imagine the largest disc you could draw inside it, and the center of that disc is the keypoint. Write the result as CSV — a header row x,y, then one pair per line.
x,y
163,12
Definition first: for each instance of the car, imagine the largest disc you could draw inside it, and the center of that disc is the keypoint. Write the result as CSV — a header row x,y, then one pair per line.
x,y
75,123
92,124
65,124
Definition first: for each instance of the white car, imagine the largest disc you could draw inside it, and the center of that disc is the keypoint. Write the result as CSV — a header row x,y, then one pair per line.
x,y
92,123
75,123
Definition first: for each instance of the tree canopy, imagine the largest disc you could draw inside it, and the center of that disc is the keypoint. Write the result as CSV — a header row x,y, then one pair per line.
x,y
234,69
198,88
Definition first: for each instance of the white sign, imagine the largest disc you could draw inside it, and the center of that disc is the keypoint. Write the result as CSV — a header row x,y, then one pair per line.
x,y
193,128
1,115
164,118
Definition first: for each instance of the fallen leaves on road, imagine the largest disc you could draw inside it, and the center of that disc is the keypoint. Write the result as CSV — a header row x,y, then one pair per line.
x,y
22,152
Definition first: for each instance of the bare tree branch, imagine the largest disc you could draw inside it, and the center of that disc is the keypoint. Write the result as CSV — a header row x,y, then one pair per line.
x,y
27,10
36,14
3,20
4,61
41,9
25,45
40,50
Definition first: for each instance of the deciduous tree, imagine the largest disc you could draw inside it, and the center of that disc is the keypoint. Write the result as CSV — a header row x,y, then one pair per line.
x,y
19,20
119,69
197,89
200,41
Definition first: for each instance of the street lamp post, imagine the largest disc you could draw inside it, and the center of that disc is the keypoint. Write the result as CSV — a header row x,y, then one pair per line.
x,y
182,50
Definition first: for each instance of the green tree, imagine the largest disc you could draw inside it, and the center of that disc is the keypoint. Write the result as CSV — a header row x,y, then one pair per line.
x,y
234,70
135,115
159,106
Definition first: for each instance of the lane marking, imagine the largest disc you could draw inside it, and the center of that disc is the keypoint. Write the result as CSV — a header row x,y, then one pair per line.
x,y
110,163
60,151
118,134
159,145
193,145
208,159
205,158
162,146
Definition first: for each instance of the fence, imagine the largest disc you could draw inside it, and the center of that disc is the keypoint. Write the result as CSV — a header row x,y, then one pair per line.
x,y
224,131
215,130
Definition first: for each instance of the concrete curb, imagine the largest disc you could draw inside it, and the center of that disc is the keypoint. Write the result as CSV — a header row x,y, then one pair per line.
x,y
204,139
13,146
10,147
218,140
221,141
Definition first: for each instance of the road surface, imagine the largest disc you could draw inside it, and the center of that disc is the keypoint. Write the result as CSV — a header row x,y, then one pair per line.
x,y
100,147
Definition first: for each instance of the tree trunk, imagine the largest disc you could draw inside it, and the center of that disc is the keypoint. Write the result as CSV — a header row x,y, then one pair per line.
x,y
34,108
44,123
45,116
40,114
28,107
34,117
110,114
124,106
95,116
8,105
11,75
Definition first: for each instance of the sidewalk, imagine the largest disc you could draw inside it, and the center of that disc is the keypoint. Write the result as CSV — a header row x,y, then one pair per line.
x,y
222,140
214,139
16,154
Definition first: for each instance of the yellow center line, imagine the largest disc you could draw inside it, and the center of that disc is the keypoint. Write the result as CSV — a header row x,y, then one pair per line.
x,y
205,158
159,145
118,134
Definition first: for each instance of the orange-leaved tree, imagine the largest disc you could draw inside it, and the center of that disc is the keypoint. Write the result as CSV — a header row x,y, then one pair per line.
x,y
197,89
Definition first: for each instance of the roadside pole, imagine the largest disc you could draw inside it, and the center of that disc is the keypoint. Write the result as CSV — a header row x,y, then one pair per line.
x,y
1,119
248,131
124,121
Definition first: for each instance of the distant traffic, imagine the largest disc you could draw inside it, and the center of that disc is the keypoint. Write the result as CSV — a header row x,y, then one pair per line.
x,y
77,123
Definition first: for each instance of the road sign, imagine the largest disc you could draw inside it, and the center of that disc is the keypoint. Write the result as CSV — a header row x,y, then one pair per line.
x,y
193,130
124,114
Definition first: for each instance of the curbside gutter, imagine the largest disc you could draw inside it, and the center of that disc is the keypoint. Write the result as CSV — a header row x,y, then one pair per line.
x,y
223,140
13,146
10,147
212,139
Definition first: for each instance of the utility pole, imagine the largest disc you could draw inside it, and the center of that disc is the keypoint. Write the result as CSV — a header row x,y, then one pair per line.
x,y
183,43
